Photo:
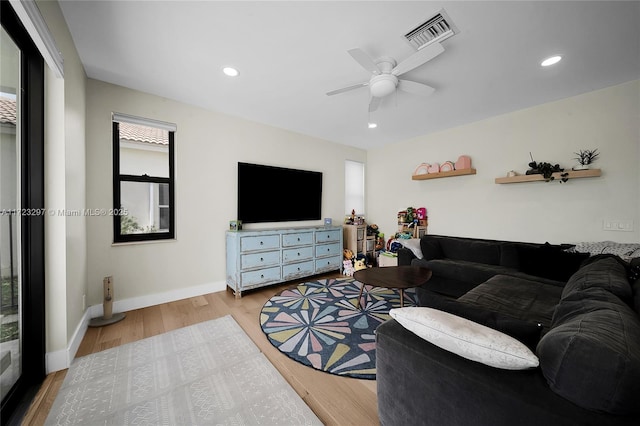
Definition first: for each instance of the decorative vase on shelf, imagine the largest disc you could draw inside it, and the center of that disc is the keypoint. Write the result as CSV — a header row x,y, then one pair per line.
x,y
581,167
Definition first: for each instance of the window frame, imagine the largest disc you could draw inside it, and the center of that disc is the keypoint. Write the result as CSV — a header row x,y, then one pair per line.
x,y
32,198
118,179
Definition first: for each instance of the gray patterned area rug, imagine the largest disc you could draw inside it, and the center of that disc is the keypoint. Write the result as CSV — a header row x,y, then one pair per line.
x,y
205,374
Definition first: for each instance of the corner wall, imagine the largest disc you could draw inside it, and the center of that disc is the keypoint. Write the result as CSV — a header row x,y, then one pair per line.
x,y
65,236
475,206
208,148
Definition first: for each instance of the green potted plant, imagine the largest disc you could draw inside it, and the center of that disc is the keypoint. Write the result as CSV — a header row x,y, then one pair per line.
x,y
585,157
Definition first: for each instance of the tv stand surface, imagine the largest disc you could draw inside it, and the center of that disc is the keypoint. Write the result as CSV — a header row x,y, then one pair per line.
x,y
257,258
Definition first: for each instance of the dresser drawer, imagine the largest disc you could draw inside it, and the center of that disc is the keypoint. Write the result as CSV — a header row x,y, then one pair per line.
x,y
328,263
260,276
328,236
259,260
296,270
301,239
262,242
328,250
296,254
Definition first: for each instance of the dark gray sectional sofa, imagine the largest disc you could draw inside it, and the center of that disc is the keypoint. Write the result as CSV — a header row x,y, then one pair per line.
x,y
579,316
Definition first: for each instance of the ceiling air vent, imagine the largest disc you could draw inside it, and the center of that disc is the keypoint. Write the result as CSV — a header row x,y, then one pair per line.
x,y
437,28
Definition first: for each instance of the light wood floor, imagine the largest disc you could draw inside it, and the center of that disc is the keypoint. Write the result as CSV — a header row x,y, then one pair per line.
x,y
335,400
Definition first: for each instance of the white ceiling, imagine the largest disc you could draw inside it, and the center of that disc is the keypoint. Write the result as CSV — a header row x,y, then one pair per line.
x,y
291,53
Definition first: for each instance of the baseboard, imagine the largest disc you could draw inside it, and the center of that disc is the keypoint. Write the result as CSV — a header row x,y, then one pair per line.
x,y
59,360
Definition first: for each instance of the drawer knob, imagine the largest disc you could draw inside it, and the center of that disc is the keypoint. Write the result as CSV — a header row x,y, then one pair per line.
x,y
261,275
298,268
328,249
298,238
261,243
298,253
261,259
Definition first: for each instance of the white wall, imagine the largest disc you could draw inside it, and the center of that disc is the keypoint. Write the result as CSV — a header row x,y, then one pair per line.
x,y
65,236
208,148
475,206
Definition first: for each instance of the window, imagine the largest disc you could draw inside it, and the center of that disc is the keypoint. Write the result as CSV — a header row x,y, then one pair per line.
x,y
354,187
143,179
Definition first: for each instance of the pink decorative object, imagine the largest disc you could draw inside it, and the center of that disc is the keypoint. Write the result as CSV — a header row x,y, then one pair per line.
x,y
447,166
422,169
434,168
421,213
464,162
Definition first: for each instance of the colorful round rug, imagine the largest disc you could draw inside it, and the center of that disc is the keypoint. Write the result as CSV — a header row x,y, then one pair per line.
x,y
318,324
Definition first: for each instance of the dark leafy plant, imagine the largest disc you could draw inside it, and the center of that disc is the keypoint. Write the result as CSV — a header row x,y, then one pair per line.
x,y
586,156
547,170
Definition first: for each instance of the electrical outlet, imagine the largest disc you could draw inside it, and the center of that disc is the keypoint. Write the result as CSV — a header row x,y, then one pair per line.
x,y
617,225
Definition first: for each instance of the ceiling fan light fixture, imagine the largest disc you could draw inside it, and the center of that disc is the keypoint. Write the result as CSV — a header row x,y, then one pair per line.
x,y
230,71
383,85
551,60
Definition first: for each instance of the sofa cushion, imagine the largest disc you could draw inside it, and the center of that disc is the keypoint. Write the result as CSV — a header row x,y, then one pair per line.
x,y
463,270
524,331
591,355
430,246
466,338
509,255
549,261
605,271
524,299
487,252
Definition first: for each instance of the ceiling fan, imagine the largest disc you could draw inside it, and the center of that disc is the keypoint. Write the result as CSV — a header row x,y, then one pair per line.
x,y
385,72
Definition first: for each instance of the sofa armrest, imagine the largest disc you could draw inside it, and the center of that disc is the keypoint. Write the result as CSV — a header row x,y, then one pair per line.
x,y
405,256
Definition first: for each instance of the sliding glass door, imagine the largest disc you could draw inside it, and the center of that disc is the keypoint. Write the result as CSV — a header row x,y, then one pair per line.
x,y
21,215
10,291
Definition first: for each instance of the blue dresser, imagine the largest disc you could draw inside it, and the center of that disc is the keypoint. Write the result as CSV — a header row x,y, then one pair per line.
x,y
256,258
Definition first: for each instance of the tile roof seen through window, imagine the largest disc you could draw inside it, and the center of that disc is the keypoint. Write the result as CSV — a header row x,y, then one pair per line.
x,y
138,133
131,132
7,110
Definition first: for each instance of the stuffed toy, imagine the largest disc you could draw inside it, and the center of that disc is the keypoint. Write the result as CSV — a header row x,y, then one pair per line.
x,y
359,264
348,254
347,268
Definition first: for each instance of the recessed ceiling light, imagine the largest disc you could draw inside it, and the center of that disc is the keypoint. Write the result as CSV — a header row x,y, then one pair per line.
x,y
231,72
372,125
551,60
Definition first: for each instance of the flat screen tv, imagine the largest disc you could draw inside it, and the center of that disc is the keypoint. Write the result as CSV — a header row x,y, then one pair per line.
x,y
278,194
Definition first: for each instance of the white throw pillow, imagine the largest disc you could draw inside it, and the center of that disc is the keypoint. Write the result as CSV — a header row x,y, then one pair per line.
x,y
412,244
466,338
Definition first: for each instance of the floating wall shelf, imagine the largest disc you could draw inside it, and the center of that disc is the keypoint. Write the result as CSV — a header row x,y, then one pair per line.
x,y
573,174
462,172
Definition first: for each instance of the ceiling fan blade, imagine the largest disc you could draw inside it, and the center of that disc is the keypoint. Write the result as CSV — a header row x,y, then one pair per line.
x,y
420,57
374,103
364,60
346,89
415,88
